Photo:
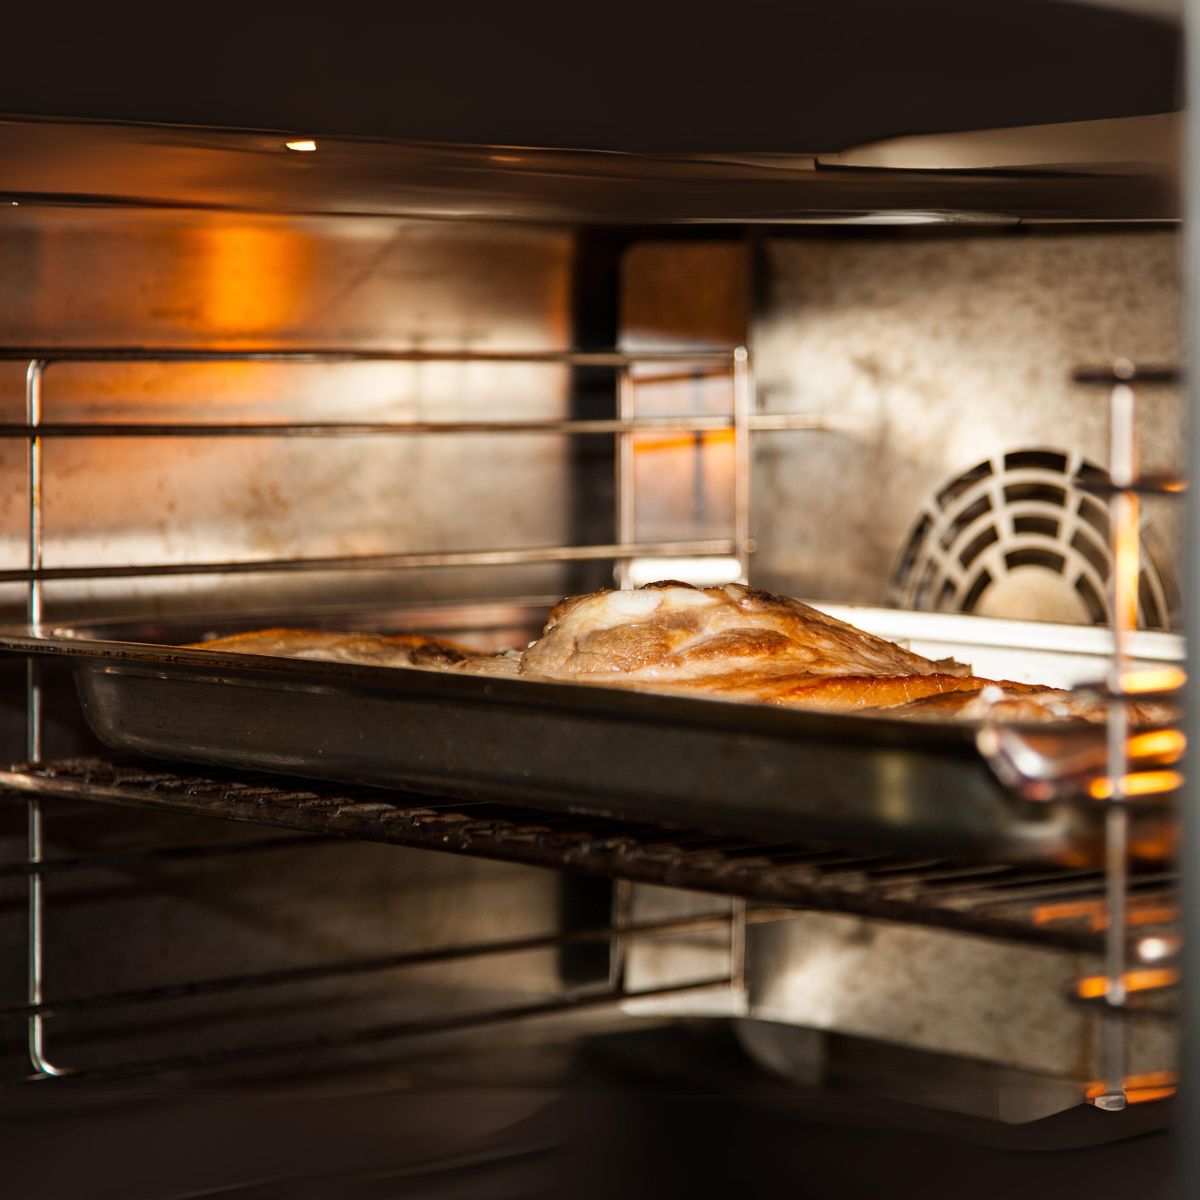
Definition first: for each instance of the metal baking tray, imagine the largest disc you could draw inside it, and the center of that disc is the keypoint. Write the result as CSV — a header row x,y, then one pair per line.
x,y
700,764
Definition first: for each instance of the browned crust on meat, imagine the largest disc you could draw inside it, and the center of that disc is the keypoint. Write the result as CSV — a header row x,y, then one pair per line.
x,y
397,649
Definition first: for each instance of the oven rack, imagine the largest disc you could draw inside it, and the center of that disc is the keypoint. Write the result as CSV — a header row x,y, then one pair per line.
x,y
759,882
1051,906
672,364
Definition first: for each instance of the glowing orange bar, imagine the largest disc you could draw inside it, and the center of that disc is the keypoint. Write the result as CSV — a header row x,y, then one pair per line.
x,y
1141,783
1153,679
1158,743
1153,1085
1097,910
680,441
1127,565
1094,986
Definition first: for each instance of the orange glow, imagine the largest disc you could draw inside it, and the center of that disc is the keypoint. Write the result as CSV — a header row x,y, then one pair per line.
x,y
681,441
1141,783
1127,564
1153,679
303,145
255,277
1153,1085
1093,987
1158,743
505,158
1097,910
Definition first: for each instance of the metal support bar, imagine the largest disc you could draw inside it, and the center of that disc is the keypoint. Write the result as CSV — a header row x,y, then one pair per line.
x,y
382,562
393,1031
767,423
566,358
624,486
35,931
1125,534
743,407
310,973
1187,1146
144,854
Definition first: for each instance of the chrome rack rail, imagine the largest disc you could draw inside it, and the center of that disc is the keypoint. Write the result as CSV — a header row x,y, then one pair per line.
x,y
675,365
1128,767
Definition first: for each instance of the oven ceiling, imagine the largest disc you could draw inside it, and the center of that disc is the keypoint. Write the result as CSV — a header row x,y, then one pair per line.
x,y
758,111
1125,169
651,76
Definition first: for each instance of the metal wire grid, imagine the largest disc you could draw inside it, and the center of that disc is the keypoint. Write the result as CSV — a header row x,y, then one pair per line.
x,y
1060,908
686,365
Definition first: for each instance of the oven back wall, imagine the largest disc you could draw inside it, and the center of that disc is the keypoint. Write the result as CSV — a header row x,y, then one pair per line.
x,y
937,353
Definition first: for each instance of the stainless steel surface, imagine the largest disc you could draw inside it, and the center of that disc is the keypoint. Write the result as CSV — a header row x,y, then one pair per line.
x,y
435,309
164,167
949,352
942,992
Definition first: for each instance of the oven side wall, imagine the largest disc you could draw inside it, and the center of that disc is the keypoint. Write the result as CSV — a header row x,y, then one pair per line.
x,y
72,277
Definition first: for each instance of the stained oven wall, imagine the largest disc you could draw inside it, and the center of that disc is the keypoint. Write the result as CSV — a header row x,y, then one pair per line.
x,y
87,277
114,277
935,352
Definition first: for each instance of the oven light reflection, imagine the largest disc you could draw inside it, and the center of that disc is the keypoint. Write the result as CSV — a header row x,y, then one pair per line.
x,y
1141,783
1153,679
303,145
1148,979
1097,913
1158,743
1153,1085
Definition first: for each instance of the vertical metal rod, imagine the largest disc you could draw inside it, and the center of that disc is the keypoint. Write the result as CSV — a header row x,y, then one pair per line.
x,y
1125,534
625,498
33,723
737,950
743,407
1188,1118
622,916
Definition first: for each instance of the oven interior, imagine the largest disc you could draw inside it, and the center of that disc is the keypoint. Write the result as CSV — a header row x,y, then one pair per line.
x,y
221,417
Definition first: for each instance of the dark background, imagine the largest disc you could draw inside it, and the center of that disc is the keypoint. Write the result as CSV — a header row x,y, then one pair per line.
x,y
644,75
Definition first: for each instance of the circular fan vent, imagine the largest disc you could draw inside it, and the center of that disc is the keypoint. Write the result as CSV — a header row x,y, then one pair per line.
x,y
1013,537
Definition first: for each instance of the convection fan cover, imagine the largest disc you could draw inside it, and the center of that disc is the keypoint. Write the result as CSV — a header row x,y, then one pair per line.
x,y
1015,537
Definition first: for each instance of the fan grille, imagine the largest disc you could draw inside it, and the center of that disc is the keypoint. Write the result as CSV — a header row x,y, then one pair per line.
x,y
1015,537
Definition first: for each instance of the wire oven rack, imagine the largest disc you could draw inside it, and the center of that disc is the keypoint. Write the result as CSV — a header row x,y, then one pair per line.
x,y
1079,910
741,421
768,882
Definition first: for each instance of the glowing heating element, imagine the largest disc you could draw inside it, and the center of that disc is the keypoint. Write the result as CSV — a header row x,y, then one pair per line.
x,y
1153,679
1167,744
1140,783
1093,987
1154,1085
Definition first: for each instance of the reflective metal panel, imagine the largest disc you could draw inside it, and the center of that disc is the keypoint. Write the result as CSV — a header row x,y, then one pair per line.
x,y
88,277
941,354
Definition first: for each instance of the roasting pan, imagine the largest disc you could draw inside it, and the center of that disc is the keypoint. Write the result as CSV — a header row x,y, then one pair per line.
x,y
699,764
